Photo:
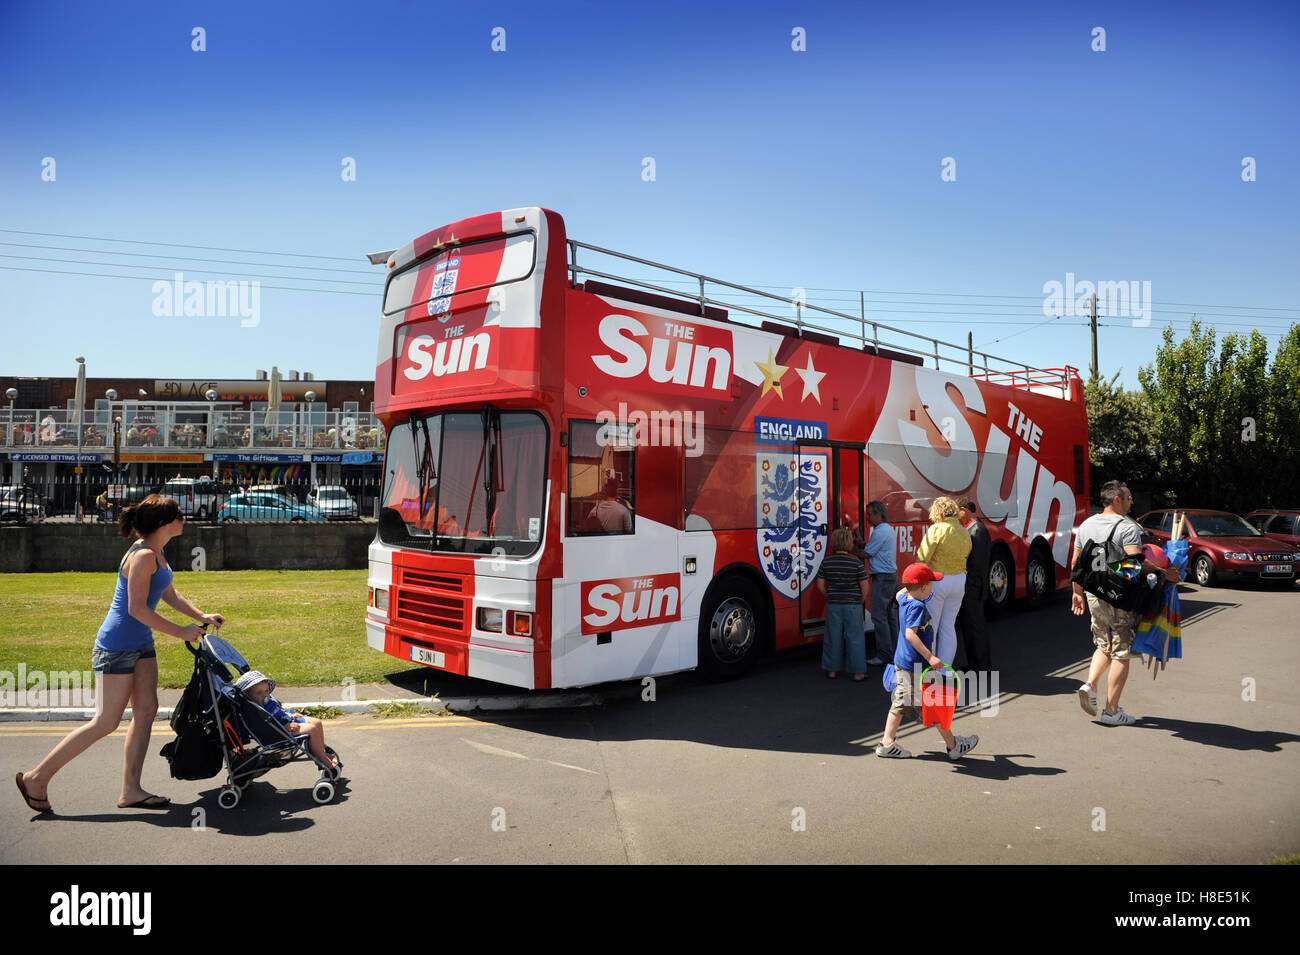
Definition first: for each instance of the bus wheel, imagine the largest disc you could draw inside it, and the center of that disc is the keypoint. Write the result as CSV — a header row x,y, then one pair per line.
x,y
1001,573
1039,577
731,629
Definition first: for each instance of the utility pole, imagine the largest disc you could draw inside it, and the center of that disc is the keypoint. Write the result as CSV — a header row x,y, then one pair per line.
x,y
1092,309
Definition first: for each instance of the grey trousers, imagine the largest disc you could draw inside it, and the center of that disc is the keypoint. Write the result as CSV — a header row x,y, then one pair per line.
x,y
884,614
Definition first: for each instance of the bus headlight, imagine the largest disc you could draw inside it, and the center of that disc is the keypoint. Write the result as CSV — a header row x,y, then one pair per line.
x,y
490,619
379,598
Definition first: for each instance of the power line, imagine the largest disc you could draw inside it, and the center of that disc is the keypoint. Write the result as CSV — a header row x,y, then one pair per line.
x,y
190,258
127,265
965,295
179,245
148,278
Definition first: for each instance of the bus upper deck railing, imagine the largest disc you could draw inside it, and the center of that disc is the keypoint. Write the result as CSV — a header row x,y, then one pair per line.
x,y
866,332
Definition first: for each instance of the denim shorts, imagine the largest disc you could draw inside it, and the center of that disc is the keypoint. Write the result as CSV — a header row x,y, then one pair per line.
x,y
118,662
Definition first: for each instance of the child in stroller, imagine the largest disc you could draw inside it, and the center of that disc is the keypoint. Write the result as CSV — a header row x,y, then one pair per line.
x,y
217,723
259,688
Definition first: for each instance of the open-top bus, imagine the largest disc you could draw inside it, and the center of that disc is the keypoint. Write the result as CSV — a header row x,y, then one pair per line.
x,y
593,476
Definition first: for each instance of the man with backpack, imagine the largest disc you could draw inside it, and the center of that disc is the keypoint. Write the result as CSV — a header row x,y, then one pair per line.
x,y
1114,537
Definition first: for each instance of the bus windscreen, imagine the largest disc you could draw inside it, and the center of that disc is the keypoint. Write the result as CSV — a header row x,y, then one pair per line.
x,y
466,482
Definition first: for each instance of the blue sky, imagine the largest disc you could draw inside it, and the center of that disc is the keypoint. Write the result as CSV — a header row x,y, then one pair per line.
x,y
818,169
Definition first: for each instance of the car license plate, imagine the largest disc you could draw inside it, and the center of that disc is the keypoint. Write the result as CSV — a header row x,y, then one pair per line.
x,y
431,657
1278,569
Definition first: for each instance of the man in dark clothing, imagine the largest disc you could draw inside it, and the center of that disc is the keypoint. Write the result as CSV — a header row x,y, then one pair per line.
x,y
970,619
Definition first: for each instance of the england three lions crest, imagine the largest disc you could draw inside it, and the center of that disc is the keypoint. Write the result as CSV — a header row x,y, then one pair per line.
x,y
791,498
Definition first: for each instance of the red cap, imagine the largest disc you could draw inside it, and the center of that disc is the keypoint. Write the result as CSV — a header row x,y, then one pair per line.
x,y
919,573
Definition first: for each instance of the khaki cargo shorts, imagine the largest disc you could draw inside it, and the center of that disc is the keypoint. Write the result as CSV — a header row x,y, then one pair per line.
x,y
904,697
1112,628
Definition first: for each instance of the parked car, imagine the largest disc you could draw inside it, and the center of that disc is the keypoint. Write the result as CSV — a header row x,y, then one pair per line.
x,y
1222,544
21,504
199,498
335,502
283,490
267,508
1279,523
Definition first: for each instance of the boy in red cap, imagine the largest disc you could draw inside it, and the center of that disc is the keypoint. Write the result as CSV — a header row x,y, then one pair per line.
x,y
914,653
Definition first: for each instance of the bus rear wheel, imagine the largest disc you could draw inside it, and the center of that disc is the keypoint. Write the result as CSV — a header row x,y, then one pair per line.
x,y
1040,578
732,629
1001,574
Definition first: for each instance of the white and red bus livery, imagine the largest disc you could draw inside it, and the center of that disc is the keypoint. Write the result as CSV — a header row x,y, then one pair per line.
x,y
596,477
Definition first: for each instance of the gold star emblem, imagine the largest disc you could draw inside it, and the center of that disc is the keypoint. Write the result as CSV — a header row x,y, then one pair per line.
x,y
772,373
811,379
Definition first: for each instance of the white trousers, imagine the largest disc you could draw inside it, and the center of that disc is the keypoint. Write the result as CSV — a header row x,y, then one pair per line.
x,y
944,604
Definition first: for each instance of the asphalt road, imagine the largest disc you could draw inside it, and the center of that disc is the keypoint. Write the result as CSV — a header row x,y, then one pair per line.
x,y
774,768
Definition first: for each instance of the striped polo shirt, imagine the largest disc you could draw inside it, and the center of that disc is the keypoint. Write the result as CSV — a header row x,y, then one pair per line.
x,y
843,574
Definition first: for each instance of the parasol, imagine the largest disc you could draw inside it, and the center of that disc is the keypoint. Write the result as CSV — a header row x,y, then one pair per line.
x,y
1159,635
273,399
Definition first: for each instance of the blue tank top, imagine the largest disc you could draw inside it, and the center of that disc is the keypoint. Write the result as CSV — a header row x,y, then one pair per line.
x,y
120,630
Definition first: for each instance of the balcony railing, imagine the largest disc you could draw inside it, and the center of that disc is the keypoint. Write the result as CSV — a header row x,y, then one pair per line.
x,y
187,428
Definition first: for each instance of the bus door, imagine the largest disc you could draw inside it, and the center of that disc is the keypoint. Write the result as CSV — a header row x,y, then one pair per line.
x,y
830,495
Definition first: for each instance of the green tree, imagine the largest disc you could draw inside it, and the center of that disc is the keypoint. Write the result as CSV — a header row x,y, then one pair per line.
x,y
1224,427
1279,434
1119,428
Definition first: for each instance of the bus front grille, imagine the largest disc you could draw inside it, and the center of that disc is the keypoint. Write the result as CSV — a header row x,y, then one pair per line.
x,y
438,611
447,582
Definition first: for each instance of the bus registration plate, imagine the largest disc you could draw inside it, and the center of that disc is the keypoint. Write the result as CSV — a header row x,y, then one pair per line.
x,y
431,657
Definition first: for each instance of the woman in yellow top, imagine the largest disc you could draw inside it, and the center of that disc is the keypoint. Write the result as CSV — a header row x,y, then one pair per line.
x,y
944,549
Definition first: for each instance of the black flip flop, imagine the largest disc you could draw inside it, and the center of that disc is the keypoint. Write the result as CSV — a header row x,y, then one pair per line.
x,y
146,804
31,800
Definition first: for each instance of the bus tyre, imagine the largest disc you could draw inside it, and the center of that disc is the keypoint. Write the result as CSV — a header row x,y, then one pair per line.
x,y
1203,570
1001,574
1039,577
732,629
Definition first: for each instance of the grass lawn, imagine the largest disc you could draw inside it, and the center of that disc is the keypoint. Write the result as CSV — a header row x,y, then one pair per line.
x,y
303,627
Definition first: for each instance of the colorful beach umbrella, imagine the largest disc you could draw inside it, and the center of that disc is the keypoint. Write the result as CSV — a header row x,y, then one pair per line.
x,y
1159,635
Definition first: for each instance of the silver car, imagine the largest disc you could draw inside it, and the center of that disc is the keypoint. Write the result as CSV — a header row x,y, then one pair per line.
x,y
335,503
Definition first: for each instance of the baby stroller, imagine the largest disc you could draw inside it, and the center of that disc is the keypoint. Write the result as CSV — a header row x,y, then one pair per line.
x,y
217,724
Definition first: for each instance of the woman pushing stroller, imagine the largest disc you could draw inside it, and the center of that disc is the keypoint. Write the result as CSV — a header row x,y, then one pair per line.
x,y
125,658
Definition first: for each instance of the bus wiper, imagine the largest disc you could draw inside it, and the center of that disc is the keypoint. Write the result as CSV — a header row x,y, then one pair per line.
x,y
423,467
492,448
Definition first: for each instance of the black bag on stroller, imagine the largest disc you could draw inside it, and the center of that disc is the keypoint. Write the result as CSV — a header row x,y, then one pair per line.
x,y
196,751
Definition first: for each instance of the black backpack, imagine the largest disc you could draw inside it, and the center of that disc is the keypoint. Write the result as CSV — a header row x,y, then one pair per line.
x,y
196,751
1094,575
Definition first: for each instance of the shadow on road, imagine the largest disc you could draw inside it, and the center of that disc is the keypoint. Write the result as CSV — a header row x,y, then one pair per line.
x,y
786,704
262,810
1218,734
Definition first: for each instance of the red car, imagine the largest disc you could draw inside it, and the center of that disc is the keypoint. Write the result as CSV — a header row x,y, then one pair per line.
x,y
1222,544
1277,522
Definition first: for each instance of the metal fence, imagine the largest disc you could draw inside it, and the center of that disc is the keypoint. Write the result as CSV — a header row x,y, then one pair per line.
x,y
348,499
188,426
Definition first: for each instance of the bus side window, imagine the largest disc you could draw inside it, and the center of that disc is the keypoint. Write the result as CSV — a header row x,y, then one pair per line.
x,y
602,480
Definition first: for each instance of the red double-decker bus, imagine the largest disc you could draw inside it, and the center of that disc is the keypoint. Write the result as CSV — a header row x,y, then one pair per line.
x,y
594,475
